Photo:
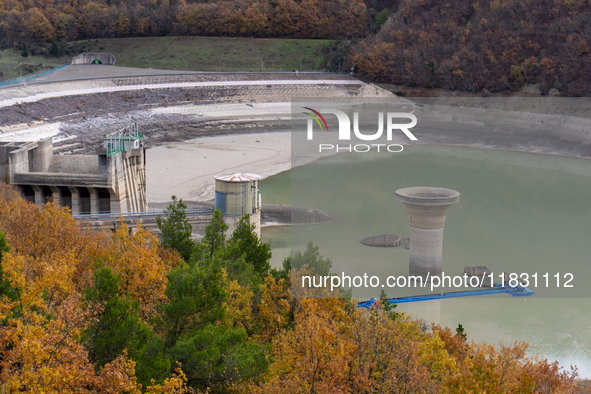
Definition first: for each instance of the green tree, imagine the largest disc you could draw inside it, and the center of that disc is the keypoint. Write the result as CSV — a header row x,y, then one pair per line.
x,y
245,243
175,228
215,237
24,50
53,50
5,288
154,363
311,257
388,307
460,332
381,18
118,326
195,298
315,263
217,356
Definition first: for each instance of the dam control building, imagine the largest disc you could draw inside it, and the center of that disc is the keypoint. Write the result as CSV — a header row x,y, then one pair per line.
x,y
112,181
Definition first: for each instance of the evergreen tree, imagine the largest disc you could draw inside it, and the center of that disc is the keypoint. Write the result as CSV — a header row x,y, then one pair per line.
x,y
118,326
218,356
215,237
245,243
311,257
175,228
195,298
53,50
5,288
460,332
381,18
154,363
24,50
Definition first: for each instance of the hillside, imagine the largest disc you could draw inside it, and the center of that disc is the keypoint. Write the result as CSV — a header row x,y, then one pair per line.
x,y
65,20
190,53
471,46
488,44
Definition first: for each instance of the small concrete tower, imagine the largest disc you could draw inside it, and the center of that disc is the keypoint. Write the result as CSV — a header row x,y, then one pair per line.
x,y
235,196
427,209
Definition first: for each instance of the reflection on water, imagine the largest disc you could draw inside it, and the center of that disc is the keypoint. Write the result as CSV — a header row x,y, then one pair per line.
x,y
517,213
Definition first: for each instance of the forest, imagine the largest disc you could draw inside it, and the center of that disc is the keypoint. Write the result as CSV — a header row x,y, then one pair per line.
x,y
119,312
485,46
491,45
70,20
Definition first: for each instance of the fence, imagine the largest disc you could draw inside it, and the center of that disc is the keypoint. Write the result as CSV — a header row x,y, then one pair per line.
x,y
28,77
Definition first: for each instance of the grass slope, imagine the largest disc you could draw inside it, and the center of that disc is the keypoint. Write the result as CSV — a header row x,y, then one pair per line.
x,y
12,64
201,54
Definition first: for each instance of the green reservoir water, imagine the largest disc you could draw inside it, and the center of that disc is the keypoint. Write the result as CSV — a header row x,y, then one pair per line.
x,y
518,212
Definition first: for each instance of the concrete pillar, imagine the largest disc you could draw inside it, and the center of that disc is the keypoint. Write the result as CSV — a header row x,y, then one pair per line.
x,y
75,200
42,154
232,222
255,219
115,203
94,201
57,195
427,209
38,195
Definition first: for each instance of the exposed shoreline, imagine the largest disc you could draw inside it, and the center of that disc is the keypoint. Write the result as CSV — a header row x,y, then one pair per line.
x,y
197,132
274,214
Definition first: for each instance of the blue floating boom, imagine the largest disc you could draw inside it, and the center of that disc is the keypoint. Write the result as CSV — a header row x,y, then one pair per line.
x,y
518,291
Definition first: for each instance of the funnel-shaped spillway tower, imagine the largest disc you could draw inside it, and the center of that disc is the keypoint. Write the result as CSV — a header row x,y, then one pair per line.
x,y
427,209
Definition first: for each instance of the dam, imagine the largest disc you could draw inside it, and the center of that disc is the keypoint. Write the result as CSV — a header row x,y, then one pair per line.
x,y
112,181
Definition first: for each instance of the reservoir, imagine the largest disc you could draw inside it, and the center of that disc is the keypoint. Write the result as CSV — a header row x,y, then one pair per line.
x,y
518,212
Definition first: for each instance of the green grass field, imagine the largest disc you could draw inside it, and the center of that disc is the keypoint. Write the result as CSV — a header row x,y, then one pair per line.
x,y
12,64
191,53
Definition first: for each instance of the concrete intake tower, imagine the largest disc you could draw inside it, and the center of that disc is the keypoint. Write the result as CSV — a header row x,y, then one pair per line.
x,y
427,209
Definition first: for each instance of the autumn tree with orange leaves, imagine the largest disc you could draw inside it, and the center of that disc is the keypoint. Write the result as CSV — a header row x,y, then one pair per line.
x,y
94,312
65,20
487,44
51,261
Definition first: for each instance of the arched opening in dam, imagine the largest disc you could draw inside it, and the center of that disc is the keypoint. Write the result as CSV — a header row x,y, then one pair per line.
x,y
519,212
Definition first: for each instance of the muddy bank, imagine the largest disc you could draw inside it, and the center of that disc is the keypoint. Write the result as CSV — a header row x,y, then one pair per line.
x,y
283,214
86,120
548,125
165,114
556,126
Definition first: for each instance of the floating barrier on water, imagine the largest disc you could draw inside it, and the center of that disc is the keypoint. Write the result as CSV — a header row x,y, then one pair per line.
x,y
386,240
518,291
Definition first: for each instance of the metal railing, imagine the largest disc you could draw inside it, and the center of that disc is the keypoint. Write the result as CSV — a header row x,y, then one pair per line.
x,y
147,214
116,76
33,76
